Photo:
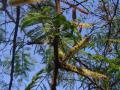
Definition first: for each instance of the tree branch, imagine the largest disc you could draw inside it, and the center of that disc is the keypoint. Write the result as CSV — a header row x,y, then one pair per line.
x,y
55,45
14,47
76,48
74,6
82,71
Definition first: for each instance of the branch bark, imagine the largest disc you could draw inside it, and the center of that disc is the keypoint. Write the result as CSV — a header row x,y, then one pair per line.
x,y
55,45
76,48
82,71
74,6
14,46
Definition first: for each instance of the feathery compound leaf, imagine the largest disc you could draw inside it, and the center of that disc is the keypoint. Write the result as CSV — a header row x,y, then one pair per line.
x,y
111,62
114,40
33,19
34,80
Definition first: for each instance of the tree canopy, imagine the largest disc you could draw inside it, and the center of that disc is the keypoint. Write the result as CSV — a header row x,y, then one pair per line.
x,y
54,44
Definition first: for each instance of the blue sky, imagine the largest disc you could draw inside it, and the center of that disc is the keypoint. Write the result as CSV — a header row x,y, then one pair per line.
x,y
34,56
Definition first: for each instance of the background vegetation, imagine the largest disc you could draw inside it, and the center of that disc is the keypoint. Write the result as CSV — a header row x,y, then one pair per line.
x,y
70,44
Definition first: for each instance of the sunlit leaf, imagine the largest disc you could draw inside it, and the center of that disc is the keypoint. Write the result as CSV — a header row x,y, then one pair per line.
x,y
85,25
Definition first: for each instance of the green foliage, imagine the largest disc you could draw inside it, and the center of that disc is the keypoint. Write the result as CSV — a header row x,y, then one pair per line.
x,y
33,18
23,64
34,80
40,24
